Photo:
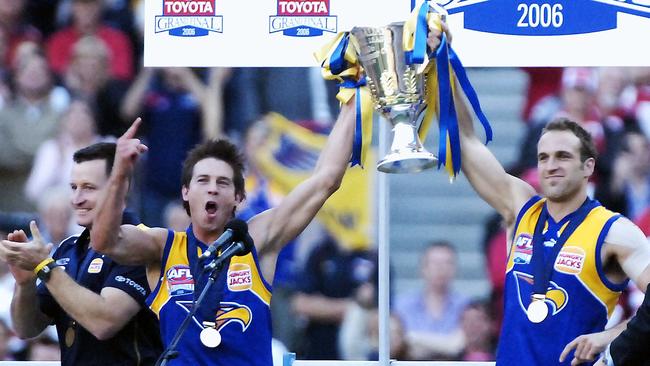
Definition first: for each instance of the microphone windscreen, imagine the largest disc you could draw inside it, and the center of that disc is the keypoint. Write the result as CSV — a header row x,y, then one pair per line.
x,y
248,244
239,229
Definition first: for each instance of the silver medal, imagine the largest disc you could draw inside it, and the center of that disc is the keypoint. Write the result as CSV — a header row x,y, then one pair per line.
x,y
210,337
537,310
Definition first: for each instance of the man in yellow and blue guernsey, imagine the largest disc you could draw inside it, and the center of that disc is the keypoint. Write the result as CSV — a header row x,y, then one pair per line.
x,y
569,257
212,188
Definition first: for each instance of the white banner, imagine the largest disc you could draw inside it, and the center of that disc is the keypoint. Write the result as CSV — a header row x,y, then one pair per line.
x,y
256,33
486,32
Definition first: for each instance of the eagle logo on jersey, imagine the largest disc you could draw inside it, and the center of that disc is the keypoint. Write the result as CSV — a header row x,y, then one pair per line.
x,y
556,296
229,312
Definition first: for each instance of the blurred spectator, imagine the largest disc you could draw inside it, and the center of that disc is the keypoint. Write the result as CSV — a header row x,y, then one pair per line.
x,y
477,331
88,76
43,348
306,98
432,315
115,13
495,243
5,336
41,14
55,214
398,346
172,102
5,91
86,20
6,290
175,217
331,277
34,111
629,189
16,29
53,160
541,94
611,83
635,99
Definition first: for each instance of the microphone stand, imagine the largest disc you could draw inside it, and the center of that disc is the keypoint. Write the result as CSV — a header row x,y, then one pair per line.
x,y
170,353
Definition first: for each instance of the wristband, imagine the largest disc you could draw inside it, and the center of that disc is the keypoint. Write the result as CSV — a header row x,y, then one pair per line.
x,y
39,267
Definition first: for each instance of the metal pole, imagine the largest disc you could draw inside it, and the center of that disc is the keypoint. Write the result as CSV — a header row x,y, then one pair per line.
x,y
383,250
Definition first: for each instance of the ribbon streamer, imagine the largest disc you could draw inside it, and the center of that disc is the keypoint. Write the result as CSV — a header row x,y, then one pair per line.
x,y
339,62
440,85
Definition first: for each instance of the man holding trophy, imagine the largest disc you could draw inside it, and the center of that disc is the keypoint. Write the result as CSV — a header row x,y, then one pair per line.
x,y
569,257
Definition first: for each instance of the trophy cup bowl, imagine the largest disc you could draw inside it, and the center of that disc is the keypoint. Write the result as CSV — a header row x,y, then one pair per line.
x,y
398,92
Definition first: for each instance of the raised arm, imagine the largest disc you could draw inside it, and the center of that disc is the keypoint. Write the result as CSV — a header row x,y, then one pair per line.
x,y
134,98
274,228
505,193
212,103
126,244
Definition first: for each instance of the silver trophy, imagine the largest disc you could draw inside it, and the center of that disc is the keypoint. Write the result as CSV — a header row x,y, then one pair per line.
x,y
398,92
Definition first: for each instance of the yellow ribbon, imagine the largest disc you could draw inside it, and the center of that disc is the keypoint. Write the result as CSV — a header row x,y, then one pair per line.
x,y
352,72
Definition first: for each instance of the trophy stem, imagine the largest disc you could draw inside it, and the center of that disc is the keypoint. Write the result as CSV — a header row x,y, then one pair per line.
x,y
406,138
407,155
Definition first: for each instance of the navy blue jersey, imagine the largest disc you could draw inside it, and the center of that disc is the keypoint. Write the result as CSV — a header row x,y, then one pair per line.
x,y
137,343
239,305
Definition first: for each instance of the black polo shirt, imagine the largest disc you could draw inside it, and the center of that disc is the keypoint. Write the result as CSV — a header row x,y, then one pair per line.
x,y
138,343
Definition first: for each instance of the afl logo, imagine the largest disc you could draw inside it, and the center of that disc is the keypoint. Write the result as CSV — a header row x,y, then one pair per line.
x,y
180,280
523,249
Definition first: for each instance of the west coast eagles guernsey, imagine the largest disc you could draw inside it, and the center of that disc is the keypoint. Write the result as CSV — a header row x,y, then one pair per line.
x,y
242,316
579,297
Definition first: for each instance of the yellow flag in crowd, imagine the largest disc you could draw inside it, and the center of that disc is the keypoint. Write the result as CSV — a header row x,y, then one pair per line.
x,y
288,157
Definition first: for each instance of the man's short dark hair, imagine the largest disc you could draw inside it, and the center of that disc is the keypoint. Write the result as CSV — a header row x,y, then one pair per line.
x,y
441,244
587,147
99,151
219,149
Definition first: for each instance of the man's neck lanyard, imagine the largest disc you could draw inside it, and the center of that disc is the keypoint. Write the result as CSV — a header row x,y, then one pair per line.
x,y
543,265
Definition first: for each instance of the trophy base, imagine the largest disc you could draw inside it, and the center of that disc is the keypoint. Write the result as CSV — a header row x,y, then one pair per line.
x,y
411,162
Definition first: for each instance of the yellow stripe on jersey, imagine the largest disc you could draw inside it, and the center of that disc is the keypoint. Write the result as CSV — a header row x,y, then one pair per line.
x,y
258,286
177,255
587,234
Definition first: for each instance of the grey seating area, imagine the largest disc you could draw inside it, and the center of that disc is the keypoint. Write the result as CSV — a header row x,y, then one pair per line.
x,y
426,206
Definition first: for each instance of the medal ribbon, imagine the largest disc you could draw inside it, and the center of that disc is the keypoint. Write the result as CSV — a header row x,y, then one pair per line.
x,y
543,265
209,308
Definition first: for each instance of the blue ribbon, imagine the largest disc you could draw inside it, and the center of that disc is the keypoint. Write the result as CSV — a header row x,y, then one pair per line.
x,y
469,91
357,142
337,60
448,119
416,56
543,264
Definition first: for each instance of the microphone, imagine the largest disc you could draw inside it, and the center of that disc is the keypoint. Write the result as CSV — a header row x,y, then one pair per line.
x,y
238,248
236,230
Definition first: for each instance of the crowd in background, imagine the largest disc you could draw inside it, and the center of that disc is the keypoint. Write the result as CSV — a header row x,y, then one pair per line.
x,y
71,74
